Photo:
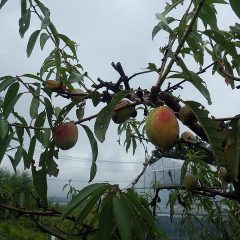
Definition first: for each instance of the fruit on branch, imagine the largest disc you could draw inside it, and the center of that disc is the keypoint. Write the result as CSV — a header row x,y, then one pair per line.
x,y
190,181
55,86
76,98
186,116
224,178
122,112
223,174
188,136
162,127
65,135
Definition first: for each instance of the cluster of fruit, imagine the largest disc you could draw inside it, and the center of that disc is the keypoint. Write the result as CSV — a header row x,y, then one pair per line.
x,y
162,126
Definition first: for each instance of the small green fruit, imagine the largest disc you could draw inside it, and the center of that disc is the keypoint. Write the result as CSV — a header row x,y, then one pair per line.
x,y
122,112
162,127
186,116
188,136
190,181
223,174
65,135
76,98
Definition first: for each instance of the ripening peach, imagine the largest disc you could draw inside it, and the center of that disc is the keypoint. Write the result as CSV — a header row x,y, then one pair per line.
x,y
65,135
122,112
162,127
186,116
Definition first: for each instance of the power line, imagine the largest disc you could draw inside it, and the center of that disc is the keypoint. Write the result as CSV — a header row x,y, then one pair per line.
x,y
85,181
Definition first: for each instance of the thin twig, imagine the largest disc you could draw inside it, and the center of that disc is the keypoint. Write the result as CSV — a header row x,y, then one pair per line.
x,y
181,44
139,73
203,190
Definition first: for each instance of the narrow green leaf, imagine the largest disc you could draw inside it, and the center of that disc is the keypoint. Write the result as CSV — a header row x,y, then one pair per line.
x,y
94,147
145,213
20,134
23,122
184,170
43,39
123,218
49,110
96,98
228,46
232,149
137,224
64,111
81,196
163,25
24,22
208,15
6,83
80,112
18,155
194,79
23,7
35,103
76,77
54,33
89,204
43,8
2,3
46,66
105,227
40,120
31,150
13,163
32,41
58,62
104,116
32,76
40,183
173,5
7,77
211,129
4,144
4,125
235,7
71,44
45,137
11,99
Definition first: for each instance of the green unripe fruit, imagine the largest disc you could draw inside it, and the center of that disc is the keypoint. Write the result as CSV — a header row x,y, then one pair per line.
x,y
188,136
186,116
223,174
65,135
122,112
76,98
190,181
162,127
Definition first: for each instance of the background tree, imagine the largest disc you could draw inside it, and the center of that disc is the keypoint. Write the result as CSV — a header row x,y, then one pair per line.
x,y
196,37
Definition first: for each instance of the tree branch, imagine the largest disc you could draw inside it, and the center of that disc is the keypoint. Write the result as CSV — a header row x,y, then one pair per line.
x,y
181,43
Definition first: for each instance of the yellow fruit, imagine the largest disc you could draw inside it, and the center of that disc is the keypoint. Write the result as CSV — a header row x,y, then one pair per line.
x,y
223,174
162,127
122,112
54,85
186,116
65,135
76,98
188,136
190,181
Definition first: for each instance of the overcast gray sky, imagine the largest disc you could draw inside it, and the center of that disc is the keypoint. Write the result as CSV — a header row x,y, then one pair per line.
x,y
106,31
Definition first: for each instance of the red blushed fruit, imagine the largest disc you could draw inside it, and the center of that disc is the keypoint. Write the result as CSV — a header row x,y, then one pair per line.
x,y
65,135
162,127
